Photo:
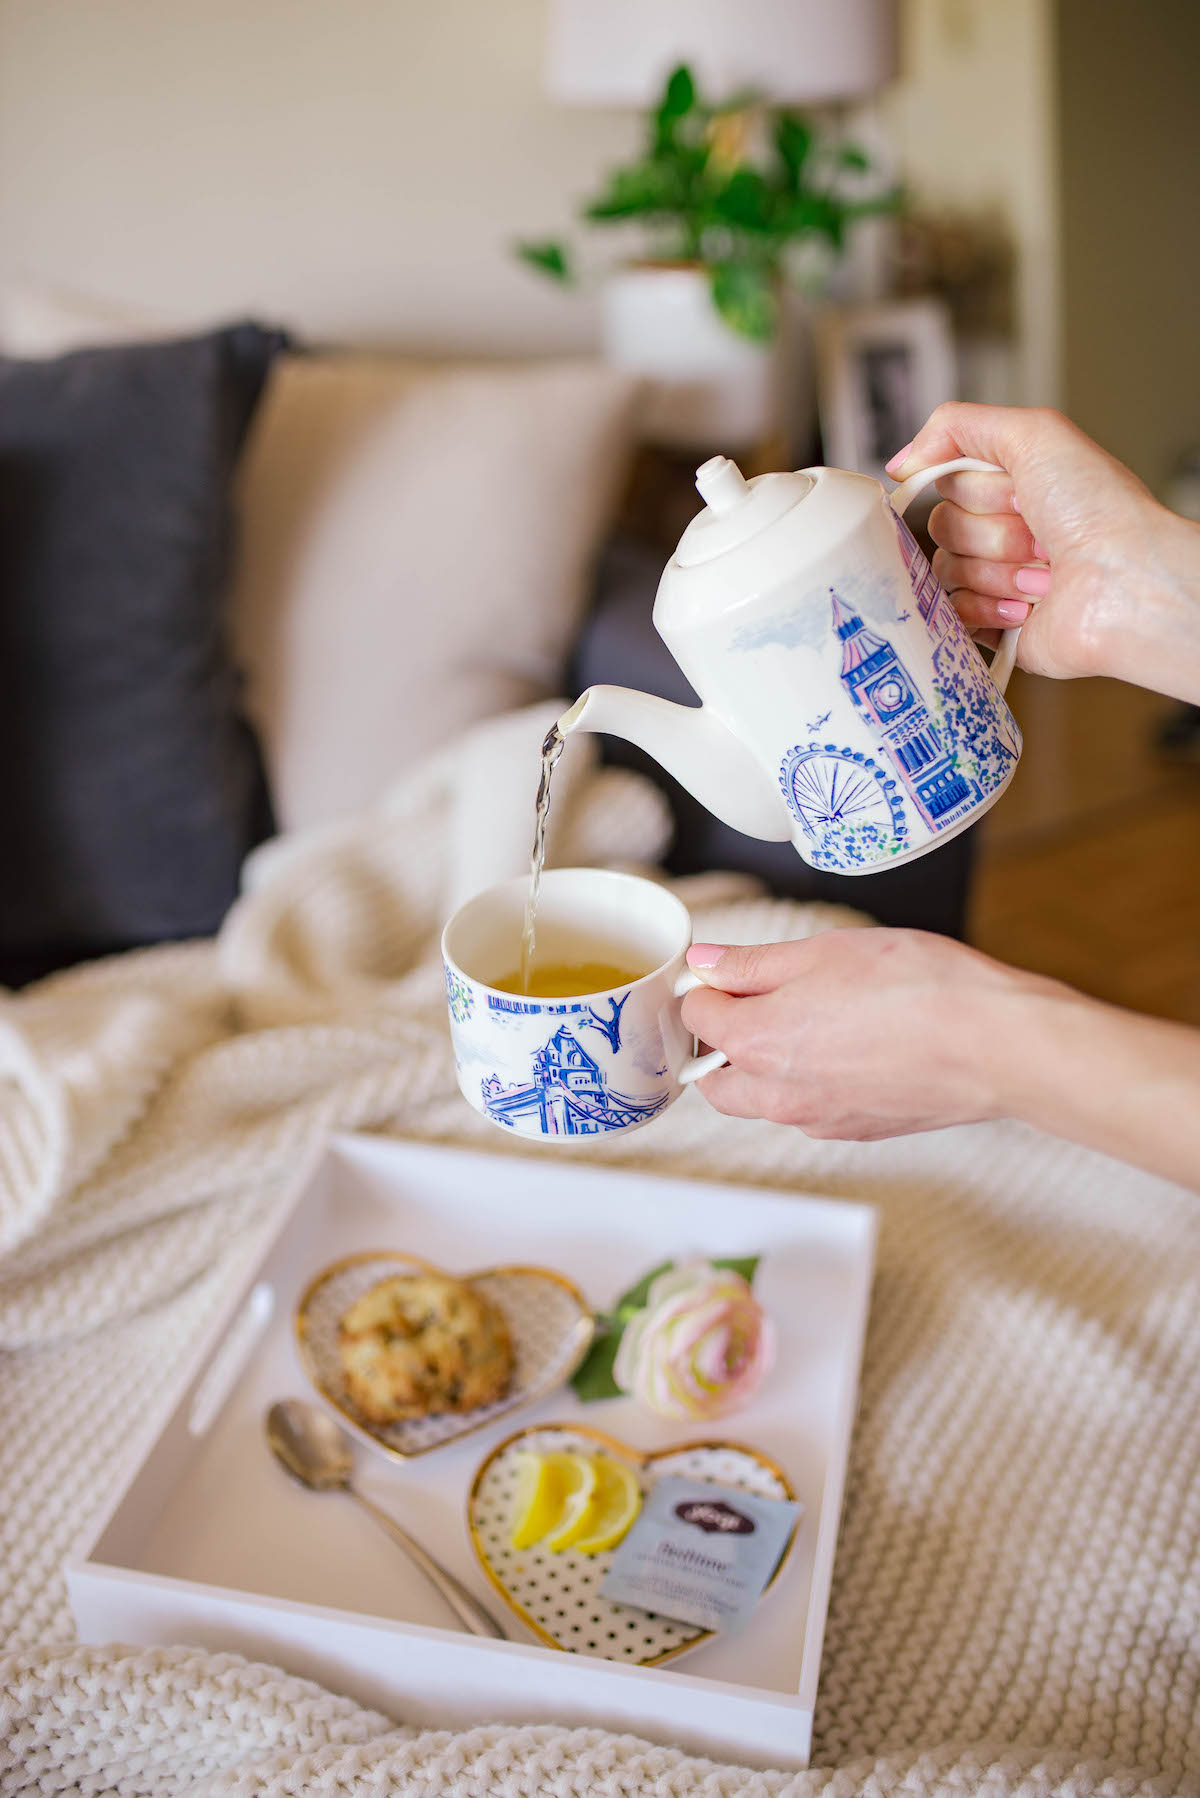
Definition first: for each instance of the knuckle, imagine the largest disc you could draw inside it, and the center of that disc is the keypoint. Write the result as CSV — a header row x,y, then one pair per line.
x,y
967,600
941,520
701,1014
987,579
781,1108
746,1048
945,567
969,605
749,960
944,414
722,1094
1048,421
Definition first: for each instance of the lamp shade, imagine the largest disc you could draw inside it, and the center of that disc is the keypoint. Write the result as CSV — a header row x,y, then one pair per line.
x,y
619,52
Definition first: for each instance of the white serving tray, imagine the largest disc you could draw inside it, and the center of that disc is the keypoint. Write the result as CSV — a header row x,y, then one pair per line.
x,y
210,1543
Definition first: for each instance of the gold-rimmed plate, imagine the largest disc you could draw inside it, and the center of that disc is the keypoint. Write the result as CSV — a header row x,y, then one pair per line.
x,y
558,1596
548,1318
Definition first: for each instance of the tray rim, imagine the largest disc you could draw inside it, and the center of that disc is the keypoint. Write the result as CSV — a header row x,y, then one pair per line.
x,y
643,1461
584,1329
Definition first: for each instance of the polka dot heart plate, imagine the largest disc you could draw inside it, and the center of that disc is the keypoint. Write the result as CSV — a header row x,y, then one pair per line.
x,y
548,1318
557,1594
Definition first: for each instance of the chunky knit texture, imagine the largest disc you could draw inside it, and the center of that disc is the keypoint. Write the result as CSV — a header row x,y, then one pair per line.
x,y
1016,1601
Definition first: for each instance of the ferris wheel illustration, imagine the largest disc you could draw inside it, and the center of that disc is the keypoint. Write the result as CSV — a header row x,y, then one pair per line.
x,y
850,807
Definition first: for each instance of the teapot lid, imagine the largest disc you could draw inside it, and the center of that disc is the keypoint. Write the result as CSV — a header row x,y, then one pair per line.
x,y
736,509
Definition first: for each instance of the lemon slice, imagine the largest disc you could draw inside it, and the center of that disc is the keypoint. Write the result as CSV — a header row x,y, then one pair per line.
x,y
546,1484
538,1498
614,1504
579,1483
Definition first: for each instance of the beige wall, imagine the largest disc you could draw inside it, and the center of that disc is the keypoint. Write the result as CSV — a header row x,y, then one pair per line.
x,y
357,167
1130,139
354,166
973,120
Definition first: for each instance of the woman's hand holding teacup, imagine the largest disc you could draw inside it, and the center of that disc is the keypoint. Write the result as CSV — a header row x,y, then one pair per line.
x,y
856,1034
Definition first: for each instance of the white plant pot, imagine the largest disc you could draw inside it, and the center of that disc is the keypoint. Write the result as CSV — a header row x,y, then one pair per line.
x,y
708,386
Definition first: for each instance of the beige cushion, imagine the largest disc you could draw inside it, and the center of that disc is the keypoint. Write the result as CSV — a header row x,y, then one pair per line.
x,y
415,555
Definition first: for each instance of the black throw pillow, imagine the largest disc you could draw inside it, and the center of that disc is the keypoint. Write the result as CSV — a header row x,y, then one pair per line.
x,y
131,786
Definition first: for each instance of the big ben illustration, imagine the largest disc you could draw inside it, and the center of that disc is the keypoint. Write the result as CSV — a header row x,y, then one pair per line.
x,y
885,694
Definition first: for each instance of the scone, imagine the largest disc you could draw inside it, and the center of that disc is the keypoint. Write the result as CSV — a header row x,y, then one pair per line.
x,y
418,1345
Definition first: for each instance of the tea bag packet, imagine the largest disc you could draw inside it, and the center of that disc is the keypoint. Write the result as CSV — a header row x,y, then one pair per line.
x,y
701,1553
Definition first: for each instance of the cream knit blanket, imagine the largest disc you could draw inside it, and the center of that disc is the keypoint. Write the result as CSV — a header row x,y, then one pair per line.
x,y
1016,1602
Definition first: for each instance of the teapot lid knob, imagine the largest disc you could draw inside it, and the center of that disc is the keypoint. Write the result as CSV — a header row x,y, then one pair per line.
x,y
736,510
721,484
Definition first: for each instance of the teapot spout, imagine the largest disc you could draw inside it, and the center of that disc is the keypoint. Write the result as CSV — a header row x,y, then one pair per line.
x,y
692,744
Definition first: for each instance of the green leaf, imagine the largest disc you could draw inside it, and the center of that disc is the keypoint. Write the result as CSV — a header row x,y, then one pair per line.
x,y
635,1299
793,140
593,1378
746,1265
744,295
851,157
654,186
745,200
550,257
815,214
679,97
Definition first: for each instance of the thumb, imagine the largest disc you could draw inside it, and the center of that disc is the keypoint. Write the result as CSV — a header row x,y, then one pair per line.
x,y
750,968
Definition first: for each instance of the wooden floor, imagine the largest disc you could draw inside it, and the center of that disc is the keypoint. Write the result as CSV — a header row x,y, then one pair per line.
x,y
1090,864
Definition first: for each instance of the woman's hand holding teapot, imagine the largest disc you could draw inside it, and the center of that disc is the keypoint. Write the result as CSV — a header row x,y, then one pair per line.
x,y
862,1034
1068,543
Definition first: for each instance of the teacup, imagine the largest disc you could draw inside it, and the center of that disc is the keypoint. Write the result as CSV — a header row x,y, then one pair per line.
x,y
585,1064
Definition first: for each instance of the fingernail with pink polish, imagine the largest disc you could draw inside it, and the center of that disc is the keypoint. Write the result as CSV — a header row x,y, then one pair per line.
x,y
1013,611
899,459
705,955
1032,580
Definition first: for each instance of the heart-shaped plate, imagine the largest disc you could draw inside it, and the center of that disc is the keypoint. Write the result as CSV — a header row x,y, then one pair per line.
x,y
548,1318
558,1595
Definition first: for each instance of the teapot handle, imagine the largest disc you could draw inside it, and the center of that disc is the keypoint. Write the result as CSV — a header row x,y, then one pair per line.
x,y
901,497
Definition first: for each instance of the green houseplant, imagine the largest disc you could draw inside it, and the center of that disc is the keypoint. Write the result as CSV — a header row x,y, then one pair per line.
x,y
705,199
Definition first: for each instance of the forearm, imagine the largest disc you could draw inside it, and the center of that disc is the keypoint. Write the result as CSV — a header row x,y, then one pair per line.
x,y
1146,616
1100,1076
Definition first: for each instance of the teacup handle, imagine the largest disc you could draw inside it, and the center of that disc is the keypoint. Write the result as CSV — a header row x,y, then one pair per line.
x,y
900,498
699,1065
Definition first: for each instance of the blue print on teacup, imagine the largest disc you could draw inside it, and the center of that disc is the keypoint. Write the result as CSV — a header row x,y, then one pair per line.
x,y
566,1094
459,996
609,1026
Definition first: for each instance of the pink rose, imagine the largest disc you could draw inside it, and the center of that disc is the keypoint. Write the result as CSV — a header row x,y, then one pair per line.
x,y
700,1347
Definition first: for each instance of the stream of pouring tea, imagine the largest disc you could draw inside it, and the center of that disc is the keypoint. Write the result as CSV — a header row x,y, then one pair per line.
x,y
552,748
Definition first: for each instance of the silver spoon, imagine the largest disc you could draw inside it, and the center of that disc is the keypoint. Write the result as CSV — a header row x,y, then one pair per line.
x,y
318,1454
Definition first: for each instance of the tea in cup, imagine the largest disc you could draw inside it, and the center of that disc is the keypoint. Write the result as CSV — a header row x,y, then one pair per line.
x,y
596,1043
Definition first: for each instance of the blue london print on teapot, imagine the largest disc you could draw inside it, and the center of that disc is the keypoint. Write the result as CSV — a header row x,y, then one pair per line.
x,y
567,1093
943,760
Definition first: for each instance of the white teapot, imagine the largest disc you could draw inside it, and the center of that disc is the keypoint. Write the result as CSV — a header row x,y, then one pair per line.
x,y
844,706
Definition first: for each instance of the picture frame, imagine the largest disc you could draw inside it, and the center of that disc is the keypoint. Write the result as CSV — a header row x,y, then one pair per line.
x,y
881,370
